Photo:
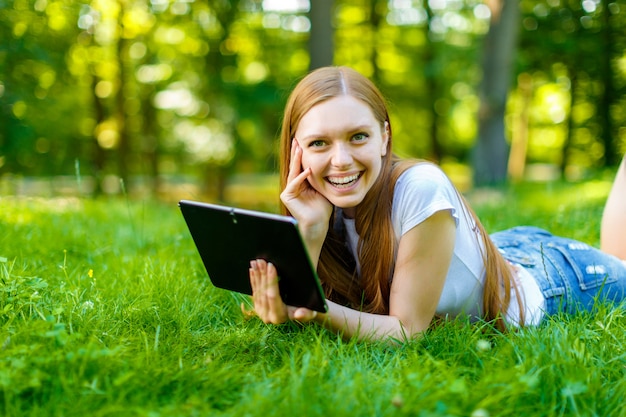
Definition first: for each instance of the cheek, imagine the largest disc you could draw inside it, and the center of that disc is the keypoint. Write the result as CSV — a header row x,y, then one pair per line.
x,y
309,161
377,166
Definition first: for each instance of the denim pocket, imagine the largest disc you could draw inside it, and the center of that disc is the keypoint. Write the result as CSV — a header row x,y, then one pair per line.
x,y
585,263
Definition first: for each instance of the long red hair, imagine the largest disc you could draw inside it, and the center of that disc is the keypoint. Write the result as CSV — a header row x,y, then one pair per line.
x,y
377,246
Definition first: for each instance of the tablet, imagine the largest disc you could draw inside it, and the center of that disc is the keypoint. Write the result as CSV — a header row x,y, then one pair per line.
x,y
228,238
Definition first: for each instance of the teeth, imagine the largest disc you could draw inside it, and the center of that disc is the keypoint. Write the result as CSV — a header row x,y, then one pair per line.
x,y
343,180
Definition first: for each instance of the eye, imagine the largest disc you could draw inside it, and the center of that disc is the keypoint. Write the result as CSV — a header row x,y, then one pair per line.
x,y
360,137
316,143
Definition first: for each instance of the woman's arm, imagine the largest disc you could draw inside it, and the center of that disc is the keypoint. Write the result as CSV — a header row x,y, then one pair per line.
x,y
422,265
424,256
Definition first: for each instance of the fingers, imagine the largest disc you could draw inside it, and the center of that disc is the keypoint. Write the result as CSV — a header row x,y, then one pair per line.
x,y
297,176
295,161
301,314
293,187
295,164
268,304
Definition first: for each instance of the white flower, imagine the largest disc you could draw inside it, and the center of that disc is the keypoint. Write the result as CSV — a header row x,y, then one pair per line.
x,y
87,305
483,345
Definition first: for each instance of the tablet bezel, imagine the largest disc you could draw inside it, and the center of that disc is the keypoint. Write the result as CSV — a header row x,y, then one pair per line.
x,y
228,238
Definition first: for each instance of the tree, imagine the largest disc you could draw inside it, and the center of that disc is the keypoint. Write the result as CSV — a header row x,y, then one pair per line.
x,y
321,35
433,77
573,49
608,97
491,151
33,99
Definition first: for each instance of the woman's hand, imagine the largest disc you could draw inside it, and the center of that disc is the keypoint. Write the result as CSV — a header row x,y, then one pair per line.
x,y
310,208
268,304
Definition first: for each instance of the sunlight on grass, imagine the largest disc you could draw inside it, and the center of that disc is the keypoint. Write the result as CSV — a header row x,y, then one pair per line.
x,y
568,195
105,309
24,210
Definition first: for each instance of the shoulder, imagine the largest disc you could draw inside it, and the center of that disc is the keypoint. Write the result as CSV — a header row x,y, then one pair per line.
x,y
421,191
423,178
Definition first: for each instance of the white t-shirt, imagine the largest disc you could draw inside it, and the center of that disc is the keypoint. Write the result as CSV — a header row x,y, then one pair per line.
x,y
420,192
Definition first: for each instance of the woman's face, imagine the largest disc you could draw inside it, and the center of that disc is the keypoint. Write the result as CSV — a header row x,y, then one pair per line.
x,y
343,144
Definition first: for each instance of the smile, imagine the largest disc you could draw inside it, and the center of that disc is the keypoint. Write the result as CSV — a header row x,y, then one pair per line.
x,y
343,182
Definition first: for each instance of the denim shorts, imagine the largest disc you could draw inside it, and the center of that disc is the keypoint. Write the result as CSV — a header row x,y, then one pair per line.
x,y
571,275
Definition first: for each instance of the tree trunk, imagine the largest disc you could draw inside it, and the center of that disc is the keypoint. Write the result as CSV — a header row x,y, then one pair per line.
x,y
98,154
123,144
519,139
377,10
214,88
151,146
491,150
321,36
432,83
569,137
606,101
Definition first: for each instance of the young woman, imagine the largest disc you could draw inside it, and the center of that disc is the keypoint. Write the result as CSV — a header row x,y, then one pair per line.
x,y
394,243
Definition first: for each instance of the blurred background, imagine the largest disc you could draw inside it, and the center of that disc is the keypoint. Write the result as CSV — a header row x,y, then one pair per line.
x,y
183,98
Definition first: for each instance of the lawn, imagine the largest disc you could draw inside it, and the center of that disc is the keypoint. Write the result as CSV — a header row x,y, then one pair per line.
x,y
105,310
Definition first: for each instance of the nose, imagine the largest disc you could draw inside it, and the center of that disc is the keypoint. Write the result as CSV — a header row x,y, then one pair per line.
x,y
341,155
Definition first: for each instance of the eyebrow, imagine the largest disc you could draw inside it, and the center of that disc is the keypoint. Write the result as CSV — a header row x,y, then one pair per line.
x,y
354,129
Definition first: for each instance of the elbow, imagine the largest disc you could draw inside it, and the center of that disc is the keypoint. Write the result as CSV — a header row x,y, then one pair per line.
x,y
409,330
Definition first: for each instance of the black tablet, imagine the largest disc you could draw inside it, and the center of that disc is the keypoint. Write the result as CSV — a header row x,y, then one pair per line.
x,y
228,238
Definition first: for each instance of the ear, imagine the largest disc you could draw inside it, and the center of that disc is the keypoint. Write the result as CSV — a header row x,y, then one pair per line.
x,y
386,136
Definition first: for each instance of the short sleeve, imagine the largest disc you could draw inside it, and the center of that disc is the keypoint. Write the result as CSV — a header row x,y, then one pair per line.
x,y
420,192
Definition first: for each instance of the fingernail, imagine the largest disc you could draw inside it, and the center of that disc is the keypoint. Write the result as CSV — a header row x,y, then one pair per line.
x,y
253,264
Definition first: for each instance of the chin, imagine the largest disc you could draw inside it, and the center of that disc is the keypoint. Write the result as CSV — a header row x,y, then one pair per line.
x,y
346,205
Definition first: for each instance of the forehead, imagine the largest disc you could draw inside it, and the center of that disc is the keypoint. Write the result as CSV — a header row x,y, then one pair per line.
x,y
338,112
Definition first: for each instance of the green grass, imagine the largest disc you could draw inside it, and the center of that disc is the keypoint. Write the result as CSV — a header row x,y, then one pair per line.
x,y
105,310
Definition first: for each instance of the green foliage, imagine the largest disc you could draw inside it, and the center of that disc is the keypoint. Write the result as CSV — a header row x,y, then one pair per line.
x,y
153,88
574,48
105,309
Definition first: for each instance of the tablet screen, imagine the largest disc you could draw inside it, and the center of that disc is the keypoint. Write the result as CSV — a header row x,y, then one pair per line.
x,y
229,238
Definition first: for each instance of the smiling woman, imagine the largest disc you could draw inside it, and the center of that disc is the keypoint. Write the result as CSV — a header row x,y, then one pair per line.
x,y
395,244
343,144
